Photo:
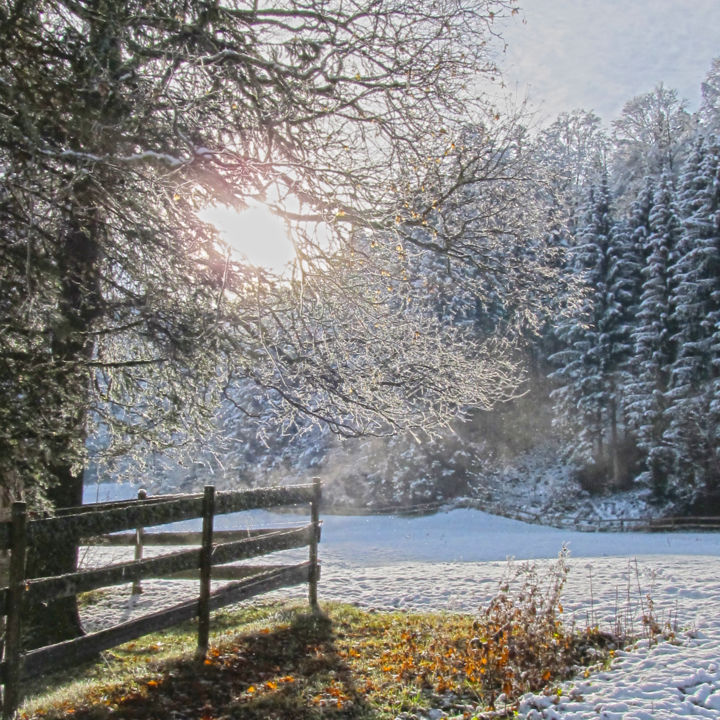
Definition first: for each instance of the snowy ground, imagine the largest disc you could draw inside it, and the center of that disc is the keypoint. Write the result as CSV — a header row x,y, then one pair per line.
x,y
453,561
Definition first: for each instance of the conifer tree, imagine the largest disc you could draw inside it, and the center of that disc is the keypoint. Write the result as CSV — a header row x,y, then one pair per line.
x,y
694,422
646,395
596,341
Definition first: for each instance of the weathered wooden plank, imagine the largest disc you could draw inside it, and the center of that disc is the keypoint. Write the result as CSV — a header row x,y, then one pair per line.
x,y
70,652
60,586
684,527
113,504
43,589
147,514
14,599
139,532
245,589
688,518
237,501
226,572
289,495
179,538
91,508
253,547
74,651
315,538
206,562
127,517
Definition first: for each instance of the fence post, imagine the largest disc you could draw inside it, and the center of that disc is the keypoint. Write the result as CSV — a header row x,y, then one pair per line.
x,y
205,572
136,586
314,569
16,588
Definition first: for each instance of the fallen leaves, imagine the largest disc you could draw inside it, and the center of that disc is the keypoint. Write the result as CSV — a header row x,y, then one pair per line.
x,y
333,694
352,663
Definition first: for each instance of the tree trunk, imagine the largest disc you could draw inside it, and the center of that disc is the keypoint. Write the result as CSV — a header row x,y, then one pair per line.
x,y
57,620
599,437
614,449
79,304
68,396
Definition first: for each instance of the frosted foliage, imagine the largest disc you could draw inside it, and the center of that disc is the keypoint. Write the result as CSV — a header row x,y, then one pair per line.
x,y
574,148
652,332
709,112
649,136
595,343
125,317
692,432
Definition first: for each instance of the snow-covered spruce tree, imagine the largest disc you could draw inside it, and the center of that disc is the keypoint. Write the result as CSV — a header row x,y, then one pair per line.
x,y
693,431
120,121
571,153
638,225
653,350
596,344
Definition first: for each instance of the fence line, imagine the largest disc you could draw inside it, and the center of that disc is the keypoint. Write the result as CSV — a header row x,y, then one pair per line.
x,y
597,524
642,524
18,533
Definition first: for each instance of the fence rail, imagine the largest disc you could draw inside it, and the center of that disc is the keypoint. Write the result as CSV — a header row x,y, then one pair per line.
x,y
80,523
570,522
209,560
644,524
598,524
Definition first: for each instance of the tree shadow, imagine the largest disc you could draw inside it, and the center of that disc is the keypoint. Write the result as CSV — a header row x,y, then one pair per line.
x,y
290,672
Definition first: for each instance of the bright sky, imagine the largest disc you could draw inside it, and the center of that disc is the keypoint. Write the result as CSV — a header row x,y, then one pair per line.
x,y
598,54
255,234
591,54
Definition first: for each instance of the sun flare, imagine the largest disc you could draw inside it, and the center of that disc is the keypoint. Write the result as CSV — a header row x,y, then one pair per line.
x,y
255,234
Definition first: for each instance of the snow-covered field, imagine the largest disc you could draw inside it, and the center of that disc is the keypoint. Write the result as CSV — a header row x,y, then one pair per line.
x,y
453,561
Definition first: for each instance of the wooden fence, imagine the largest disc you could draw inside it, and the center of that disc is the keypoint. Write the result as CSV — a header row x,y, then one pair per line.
x,y
642,524
620,524
684,523
93,523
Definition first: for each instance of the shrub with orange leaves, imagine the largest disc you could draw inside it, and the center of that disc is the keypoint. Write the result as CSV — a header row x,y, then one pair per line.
x,y
518,643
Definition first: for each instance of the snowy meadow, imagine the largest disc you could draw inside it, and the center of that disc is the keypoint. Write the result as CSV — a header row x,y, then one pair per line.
x,y
453,561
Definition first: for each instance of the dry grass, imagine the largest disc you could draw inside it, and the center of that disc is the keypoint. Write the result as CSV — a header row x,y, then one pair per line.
x,y
275,661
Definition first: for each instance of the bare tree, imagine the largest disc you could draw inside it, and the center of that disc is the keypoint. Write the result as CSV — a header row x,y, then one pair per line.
x,y
119,122
650,136
575,147
709,112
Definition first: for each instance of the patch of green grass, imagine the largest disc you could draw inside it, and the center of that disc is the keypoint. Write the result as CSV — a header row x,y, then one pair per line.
x,y
133,664
276,661
93,597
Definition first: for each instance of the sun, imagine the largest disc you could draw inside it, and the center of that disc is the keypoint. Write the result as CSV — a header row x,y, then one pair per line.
x,y
255,234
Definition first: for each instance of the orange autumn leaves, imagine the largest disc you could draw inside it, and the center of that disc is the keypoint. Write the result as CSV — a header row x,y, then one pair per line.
x,y
460,655
517,644
351,662
269,685
333,695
